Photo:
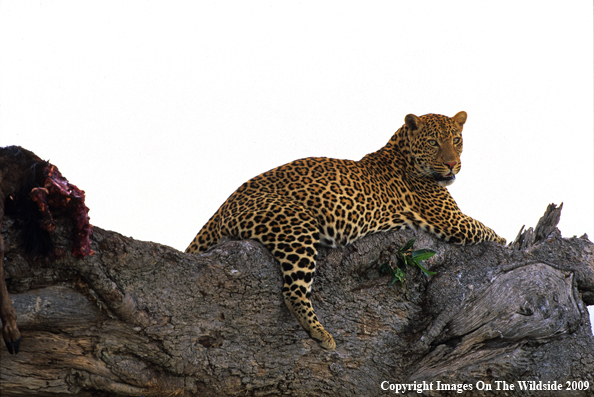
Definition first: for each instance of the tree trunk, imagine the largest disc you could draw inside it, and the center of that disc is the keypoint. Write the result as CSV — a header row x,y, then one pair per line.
x,y
139,318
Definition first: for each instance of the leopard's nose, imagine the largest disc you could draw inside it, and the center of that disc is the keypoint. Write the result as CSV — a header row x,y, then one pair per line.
x,y
451,164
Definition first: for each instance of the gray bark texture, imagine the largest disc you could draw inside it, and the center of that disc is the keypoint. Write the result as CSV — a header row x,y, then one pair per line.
x,y
143,319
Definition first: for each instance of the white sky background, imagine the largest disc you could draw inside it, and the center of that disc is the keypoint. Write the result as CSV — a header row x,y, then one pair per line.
x,y
159,110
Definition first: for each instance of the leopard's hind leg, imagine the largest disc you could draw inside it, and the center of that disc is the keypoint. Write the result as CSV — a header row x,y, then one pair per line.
x,y
290,232
207,236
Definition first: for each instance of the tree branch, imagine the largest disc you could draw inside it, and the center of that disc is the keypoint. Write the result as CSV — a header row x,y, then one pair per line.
x,y
140,318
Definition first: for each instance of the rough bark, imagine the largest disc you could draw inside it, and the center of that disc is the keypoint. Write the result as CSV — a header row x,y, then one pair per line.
x,y
140,318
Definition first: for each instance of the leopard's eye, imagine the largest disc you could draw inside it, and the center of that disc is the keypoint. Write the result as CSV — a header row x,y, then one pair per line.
x,y
456,141
432,142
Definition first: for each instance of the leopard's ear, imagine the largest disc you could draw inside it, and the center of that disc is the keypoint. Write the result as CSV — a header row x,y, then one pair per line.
x,y
413,123
460,119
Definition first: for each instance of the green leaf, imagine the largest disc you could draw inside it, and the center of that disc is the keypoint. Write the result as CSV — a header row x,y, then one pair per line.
x,y
398,276
422,255
427,272
409,261
407,246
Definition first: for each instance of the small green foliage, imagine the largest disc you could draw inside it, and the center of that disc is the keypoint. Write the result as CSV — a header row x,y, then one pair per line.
x,y
395,271
406,257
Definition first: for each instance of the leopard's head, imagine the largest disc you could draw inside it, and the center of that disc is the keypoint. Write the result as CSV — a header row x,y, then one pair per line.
x,y
436,145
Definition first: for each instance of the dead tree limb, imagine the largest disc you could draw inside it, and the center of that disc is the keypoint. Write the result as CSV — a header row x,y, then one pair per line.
x,y
140,318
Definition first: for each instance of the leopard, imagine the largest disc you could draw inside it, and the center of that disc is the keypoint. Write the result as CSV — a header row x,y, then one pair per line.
x,y
317,201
